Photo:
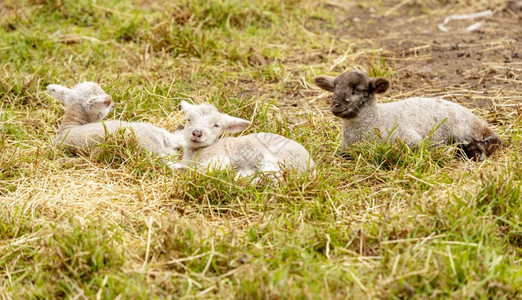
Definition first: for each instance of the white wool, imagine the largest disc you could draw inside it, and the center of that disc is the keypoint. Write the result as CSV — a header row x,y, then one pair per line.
x,y
86,104
248,155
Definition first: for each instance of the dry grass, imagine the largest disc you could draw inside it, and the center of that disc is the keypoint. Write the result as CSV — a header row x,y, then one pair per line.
x,y
388,222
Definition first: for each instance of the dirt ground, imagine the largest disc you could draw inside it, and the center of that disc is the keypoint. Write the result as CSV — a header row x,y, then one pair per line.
x,y
481,68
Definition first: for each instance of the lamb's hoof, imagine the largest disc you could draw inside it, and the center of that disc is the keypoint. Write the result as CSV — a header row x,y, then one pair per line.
x,y
475,150
346,155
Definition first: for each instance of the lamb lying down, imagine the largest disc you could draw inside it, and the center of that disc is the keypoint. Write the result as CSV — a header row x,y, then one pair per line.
x,y
248,155
86,104
410,120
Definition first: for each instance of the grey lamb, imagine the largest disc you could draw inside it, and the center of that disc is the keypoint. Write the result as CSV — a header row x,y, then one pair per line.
x,y
410,120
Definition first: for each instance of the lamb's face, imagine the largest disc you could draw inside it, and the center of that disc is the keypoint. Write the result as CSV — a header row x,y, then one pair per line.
x,y
87,99
204,124
351,91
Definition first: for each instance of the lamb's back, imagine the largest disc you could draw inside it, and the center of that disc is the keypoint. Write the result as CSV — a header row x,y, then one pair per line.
x,y
89,134
250,150
150,137
418,117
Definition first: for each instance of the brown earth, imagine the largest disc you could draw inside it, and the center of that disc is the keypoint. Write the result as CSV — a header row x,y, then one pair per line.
x,y
481,68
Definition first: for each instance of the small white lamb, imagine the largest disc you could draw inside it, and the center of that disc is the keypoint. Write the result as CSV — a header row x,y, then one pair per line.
x,y
248,155
411,120
86,104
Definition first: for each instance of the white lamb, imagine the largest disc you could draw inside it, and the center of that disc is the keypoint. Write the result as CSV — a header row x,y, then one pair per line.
x,y
411,120
86,104
248,155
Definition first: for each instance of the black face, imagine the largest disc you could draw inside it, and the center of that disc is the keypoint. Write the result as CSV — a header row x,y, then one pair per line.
x,y
351,92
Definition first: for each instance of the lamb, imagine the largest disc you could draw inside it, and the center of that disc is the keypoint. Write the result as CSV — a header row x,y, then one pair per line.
x,y
248,155
86,104
410,120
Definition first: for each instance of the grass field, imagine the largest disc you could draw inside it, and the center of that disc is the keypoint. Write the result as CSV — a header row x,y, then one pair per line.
x,y
378,220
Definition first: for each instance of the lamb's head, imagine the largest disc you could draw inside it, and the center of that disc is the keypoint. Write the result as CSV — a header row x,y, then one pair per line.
x,y
204,124
351,91
87,99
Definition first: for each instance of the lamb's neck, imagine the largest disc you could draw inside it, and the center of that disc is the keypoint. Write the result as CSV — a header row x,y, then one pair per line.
x,y
71,119
367,114
193,154
365,122
190,153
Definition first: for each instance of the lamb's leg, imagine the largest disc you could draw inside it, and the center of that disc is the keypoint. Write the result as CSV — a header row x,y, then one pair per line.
x,y
170,159
216,163
475,150
267,167
412,138
176,166
271,167
491,144
242,173
270,164
478,150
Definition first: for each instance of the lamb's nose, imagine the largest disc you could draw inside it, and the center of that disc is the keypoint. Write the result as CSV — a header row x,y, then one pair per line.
x,y
336,105
197,133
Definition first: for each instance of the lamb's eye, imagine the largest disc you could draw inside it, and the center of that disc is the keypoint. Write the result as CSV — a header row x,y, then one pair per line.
x,y
216,125
188,120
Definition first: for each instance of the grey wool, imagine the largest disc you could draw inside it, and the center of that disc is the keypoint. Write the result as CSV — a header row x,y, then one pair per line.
x,y
411,120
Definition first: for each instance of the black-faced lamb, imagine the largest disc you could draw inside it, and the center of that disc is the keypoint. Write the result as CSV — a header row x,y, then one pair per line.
x,y
410,120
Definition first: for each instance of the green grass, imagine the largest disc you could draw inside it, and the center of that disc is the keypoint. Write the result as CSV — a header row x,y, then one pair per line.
x,y
379,220
379,67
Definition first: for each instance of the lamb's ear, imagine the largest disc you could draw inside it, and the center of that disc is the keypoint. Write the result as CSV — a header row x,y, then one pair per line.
x,y
233,124
325,82
185,106
379,85
102,101
58,92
